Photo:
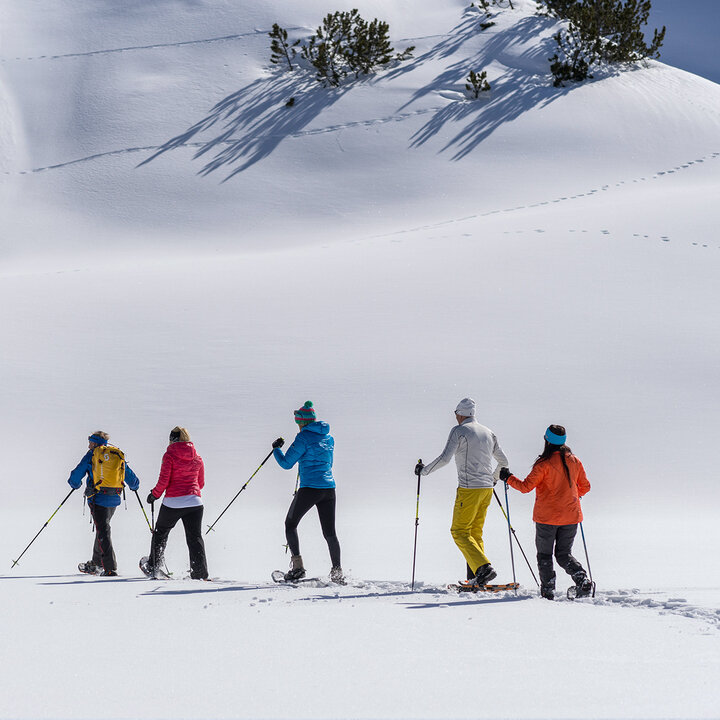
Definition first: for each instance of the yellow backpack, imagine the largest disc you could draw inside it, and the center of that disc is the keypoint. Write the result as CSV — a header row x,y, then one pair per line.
x,y
108,470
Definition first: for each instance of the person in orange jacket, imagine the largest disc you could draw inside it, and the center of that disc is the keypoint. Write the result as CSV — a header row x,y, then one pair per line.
x,y
559,479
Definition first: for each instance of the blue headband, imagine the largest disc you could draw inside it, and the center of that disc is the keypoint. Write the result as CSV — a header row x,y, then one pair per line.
x,y
97,440
555,439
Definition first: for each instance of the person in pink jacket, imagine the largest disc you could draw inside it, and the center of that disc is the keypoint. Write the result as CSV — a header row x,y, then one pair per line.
x,y
182,478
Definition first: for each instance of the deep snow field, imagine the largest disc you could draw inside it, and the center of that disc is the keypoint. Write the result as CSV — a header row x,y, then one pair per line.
x,y
179,247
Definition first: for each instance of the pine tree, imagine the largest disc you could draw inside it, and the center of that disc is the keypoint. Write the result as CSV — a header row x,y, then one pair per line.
x,y
600,31
477,83
345,43
279,47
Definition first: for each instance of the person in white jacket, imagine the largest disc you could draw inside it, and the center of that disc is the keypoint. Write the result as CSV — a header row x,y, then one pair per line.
x,y
474,447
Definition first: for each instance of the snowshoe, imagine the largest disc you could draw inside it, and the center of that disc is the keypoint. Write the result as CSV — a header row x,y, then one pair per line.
x,y
280,576
294,574
109,573
336,575
471,586
147,569
89,568
547,592
586,589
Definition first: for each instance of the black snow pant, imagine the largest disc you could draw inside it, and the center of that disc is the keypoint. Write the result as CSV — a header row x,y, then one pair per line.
x,y
324,500
557,539
192,522
103,553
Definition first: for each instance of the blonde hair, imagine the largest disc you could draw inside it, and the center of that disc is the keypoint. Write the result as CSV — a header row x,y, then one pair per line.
x,y
179,434
101,434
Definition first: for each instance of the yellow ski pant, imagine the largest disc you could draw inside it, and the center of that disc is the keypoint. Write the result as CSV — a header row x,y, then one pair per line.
x,y
471,506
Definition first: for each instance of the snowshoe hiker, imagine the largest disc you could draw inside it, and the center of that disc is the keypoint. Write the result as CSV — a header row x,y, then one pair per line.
x,y
106,473
474,447
313,450
182,478
559,479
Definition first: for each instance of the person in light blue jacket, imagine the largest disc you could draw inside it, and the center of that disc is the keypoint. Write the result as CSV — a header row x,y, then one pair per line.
x,y
103,497
312,449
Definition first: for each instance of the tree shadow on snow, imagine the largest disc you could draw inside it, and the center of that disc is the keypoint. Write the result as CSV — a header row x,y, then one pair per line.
x,y
525,84
252,122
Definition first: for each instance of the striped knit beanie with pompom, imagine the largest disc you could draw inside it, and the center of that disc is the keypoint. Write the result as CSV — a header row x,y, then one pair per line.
x,y
305,414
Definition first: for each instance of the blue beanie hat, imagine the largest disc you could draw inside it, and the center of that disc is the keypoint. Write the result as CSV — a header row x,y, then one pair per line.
x,y
306,413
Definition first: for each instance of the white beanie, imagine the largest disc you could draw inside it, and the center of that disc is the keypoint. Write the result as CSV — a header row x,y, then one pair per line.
x,y
466,407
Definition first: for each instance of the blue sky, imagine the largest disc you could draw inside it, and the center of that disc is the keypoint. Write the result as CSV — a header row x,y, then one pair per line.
x,y
693,29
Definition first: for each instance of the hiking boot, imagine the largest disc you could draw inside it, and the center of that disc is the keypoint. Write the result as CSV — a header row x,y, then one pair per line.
x,y
484,574
336,575
109,573
547,592
89,568
297,571
583,585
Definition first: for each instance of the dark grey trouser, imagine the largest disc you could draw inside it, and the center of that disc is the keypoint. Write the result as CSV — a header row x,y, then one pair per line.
x,y
103,552
557,540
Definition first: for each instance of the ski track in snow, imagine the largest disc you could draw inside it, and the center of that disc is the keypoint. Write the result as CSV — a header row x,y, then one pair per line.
x,y
182,43
154,46
398,117
438,596
334,128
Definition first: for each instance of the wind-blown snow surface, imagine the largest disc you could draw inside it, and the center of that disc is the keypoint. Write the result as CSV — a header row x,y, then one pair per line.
x,y
180,247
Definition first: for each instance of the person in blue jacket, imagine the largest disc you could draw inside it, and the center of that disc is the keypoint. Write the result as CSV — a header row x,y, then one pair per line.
x,y
313,449
102,492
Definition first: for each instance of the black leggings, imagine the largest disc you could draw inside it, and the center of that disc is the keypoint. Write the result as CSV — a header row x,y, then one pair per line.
x,y
192,522
324,500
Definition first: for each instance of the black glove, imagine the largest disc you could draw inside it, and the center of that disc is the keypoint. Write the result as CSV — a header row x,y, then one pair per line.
x,y
151,498
419,468
278,443
505,474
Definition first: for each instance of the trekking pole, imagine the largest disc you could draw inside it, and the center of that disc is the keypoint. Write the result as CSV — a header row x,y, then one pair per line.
x,y
512,529
15,562
417,521
587,558
143,510
507,515
297,484
152,541
210,527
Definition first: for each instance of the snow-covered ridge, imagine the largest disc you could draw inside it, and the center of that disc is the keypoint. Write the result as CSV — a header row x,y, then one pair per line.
x,y
195,118
179,247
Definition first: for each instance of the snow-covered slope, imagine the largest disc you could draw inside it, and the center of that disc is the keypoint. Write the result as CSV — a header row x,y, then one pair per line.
x,y
136,125
178,246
